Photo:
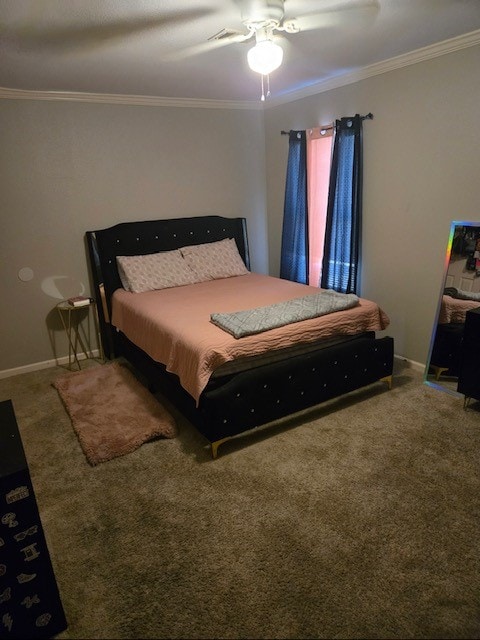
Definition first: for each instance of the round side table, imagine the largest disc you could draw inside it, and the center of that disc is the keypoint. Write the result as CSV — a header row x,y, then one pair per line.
x,y
70,316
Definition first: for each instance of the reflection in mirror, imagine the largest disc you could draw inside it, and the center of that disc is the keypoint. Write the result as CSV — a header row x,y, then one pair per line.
x,y
460,292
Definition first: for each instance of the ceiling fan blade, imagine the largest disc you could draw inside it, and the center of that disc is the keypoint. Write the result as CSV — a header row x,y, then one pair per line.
x,y
337,14
90,35
345,5
231,35
217,41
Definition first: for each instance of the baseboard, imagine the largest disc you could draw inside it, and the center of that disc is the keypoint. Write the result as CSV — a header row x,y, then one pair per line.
x,y
46,364
417,366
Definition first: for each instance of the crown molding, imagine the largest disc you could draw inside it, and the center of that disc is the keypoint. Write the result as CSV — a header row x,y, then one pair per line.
x,y
413,57
111,98
419,55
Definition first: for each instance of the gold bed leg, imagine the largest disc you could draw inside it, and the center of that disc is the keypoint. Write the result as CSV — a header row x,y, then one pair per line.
x,y
438,371
214,445
388,380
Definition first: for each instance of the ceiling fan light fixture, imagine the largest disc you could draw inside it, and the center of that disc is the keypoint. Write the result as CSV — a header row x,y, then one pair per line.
x,y
265,57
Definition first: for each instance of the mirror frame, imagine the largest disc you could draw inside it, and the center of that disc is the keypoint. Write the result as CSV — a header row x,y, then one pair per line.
x,y
432,383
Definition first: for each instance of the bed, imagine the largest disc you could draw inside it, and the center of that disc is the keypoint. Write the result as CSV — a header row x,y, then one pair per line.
x,y
455,309
242,389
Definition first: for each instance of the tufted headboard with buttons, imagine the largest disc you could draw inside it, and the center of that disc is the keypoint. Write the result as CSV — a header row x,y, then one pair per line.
x,y
151,236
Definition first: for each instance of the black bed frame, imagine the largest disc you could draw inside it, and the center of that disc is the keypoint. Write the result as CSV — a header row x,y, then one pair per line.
x,y
235,403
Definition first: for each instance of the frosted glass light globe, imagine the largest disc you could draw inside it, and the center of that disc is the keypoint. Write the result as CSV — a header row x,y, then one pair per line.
x,y
265,57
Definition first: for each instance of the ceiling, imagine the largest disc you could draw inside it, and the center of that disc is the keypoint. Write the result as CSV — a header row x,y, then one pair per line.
x,y
160,48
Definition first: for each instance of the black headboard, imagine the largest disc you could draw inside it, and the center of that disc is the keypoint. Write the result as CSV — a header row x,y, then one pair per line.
x,y
151,236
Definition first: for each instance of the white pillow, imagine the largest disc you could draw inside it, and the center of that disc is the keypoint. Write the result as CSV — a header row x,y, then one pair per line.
x,y
154,271
215,260
122,275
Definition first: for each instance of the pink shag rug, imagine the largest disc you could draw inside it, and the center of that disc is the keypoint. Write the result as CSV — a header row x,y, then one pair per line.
x,y
112,413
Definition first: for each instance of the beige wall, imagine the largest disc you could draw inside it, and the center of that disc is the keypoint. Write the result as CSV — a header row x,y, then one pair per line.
x,y
66,168
422,170
69,167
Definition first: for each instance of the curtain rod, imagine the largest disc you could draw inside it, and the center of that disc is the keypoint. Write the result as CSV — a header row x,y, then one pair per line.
x,y
369,116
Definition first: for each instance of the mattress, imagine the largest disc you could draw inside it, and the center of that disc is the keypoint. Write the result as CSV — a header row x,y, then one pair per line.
x,y
173,325
455,309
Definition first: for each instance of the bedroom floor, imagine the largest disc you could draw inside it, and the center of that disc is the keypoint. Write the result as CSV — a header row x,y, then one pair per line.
x,y
357,519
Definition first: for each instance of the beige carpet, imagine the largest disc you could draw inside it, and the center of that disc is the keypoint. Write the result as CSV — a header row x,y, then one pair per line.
x,y
112,413
360,519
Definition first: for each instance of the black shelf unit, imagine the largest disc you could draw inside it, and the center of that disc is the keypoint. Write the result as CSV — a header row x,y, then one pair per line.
x,y
30,605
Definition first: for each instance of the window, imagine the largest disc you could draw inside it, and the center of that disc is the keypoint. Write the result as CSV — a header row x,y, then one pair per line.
x,y
323,206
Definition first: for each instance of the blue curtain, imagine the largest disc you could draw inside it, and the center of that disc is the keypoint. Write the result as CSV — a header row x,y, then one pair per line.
x,y
344,210
294,254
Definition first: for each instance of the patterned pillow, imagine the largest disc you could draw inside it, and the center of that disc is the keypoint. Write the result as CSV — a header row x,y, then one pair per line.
x,y
215,260
154,271
123,276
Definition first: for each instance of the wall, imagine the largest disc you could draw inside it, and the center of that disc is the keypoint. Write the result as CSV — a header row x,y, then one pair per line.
x,y
69,167
422,170
66,168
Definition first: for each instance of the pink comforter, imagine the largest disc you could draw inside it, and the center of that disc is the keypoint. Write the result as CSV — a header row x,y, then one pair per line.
x,y
173,325
455,309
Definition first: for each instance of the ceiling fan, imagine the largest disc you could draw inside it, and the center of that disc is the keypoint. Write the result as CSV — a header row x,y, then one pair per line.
x,y
264,20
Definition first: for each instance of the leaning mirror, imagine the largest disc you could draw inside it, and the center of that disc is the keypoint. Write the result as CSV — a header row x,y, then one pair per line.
x,y
459,293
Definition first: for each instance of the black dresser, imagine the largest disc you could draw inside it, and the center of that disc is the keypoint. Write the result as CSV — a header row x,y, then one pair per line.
x,y
30,605
469,374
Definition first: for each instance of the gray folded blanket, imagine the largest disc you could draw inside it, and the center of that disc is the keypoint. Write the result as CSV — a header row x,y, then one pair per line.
x,y
461,295
251,321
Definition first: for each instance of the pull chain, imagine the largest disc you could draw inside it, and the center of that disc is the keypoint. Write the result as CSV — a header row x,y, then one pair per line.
x,y
263,87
